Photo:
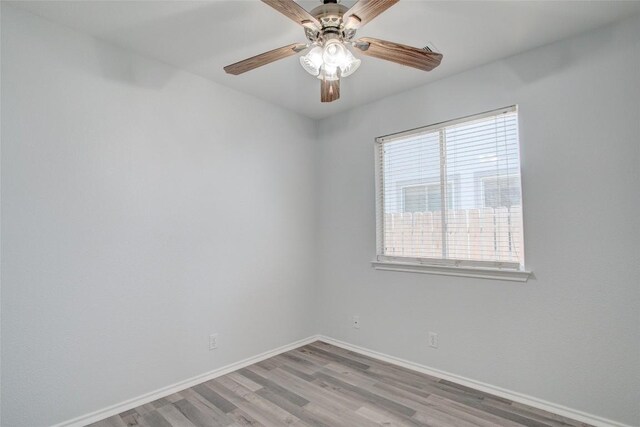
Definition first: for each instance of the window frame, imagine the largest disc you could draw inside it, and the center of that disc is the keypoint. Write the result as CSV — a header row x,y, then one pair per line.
x,y
466,268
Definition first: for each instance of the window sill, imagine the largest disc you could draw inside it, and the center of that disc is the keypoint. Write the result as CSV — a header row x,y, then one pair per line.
x,y
478,272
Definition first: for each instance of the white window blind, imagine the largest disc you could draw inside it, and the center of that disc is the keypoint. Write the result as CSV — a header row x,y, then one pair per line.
x,y
450,194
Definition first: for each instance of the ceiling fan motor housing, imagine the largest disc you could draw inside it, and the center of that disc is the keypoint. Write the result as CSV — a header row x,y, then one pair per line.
x,y
329,15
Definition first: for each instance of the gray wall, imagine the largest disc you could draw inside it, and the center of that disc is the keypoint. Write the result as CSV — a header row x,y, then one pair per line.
x,y
570,335
143,208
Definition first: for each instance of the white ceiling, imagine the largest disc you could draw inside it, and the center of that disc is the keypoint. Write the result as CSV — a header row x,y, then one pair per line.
x,y
204,36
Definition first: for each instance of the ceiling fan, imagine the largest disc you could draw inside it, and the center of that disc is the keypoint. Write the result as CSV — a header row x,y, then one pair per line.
x,y
330,28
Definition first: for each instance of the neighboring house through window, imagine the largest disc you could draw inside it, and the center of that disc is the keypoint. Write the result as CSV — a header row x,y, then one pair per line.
x,y
414,198
423,198
500,191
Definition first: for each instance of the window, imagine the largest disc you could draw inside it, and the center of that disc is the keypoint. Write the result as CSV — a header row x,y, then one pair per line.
x,y
469,166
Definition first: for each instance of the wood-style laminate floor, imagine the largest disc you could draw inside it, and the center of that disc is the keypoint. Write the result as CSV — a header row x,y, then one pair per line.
x,y
323,385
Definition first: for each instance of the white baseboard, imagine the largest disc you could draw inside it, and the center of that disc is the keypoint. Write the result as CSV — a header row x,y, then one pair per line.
x,y
488,388
478,385
101,414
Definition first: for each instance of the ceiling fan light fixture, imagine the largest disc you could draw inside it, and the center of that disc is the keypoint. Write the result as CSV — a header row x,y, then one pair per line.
x,y
330,62
312,61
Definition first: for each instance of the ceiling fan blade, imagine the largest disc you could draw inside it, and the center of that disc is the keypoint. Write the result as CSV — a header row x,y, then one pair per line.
x,y
264,58
294,11
329,90
364,11
422,59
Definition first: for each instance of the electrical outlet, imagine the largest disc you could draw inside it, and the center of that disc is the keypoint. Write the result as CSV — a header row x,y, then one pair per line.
x,y
355,322
433,339
213,341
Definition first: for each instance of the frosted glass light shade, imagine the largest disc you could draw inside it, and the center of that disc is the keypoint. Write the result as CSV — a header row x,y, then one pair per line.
x,y
329,73
334,53
350,65
312,61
